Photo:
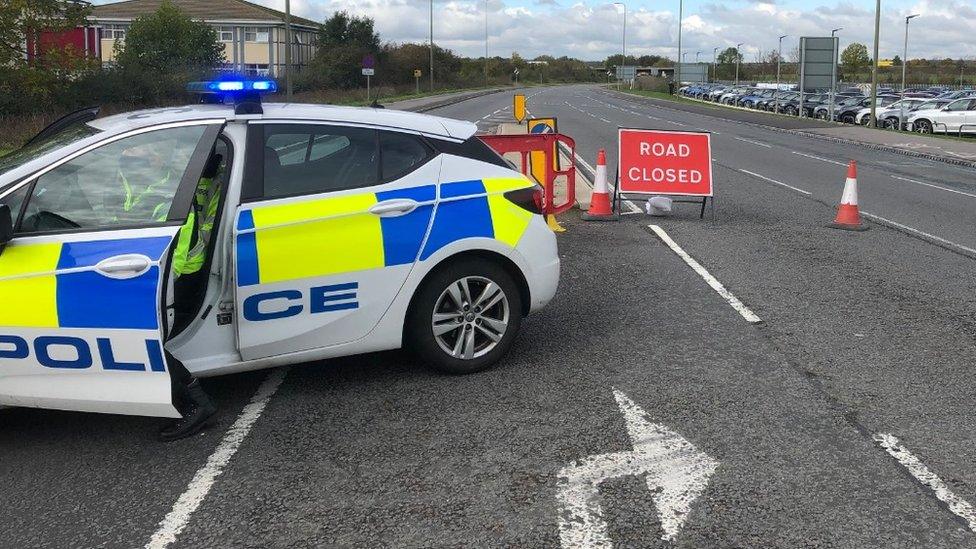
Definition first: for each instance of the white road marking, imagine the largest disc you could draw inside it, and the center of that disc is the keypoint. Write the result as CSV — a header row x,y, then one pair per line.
x,y
675,471
933,186
754,142
820,158
956,504
709,279
605,120
948,243
676,123
764,178
204,479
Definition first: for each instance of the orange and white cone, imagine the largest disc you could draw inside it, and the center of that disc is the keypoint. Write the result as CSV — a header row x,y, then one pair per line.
x,y
848,214
600,208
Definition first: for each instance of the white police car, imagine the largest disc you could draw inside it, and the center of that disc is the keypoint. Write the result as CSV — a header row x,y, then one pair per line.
x,y
339,231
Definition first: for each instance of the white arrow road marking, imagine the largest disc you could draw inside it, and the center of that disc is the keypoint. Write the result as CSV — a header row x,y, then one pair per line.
x,y
676,473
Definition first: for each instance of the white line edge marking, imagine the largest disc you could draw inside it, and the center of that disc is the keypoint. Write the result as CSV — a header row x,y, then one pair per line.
x,y
906,228
957,505
740,307
764,178
177,519
760,143
820,158
933,186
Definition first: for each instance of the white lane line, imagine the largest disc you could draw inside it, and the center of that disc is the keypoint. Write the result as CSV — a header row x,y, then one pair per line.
x,y
633,207
740,307
676,123
885,221
754,142
764,178
605,120
204,479
820,158
956,504
933,186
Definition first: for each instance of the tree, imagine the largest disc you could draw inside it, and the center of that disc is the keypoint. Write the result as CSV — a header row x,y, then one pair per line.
x,y
728,56
343,43
168,42
855,58
22,18
896,61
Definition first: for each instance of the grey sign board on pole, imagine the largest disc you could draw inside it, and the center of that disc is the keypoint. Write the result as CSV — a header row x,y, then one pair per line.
x,y
818,63
694,72
626,72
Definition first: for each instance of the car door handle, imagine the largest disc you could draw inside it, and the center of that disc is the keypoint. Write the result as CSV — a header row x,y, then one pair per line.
x,y
122,267
394,207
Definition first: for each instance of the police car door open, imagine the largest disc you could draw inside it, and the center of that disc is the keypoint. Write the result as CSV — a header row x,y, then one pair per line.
x,y
82,284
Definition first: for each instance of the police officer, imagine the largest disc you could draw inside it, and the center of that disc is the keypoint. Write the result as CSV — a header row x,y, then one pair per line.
x,y
189,256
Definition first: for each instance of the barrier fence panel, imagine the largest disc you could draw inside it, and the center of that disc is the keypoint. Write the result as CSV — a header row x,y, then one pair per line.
x,y
546,147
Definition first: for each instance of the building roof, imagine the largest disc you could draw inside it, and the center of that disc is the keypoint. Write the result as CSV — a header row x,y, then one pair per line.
x,y
207,10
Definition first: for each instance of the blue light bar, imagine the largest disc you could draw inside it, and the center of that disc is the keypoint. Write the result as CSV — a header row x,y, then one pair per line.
x,y
230,86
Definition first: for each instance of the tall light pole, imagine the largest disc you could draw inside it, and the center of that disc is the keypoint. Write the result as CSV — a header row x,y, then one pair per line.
x,y
779,63
904,60
874,66
288,88
738,57
681,16
714,66
834,87
432,45
486,43
623,41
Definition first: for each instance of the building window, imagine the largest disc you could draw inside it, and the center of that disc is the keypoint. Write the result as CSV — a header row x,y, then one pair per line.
x,y
257,34
114,32
256,69
225,34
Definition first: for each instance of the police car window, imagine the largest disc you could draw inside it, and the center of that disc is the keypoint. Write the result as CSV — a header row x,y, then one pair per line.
x,y
309,159
128,182
33,151
401,154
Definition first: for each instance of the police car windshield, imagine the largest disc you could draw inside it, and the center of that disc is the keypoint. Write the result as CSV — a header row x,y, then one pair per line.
x,y
65,137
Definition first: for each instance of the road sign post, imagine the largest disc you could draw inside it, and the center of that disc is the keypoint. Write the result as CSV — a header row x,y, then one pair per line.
x,y
818,66
369,62
659,162
417,73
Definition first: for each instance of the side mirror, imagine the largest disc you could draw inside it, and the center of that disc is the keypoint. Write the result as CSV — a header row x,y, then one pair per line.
x,y
6,226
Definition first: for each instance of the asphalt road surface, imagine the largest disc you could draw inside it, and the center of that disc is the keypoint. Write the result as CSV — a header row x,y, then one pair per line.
x,y
831,406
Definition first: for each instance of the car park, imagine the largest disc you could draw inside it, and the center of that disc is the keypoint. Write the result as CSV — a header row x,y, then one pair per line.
x,y
958,117
339,231
848,114
896,119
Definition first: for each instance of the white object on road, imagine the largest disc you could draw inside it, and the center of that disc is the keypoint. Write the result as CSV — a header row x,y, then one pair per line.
x,y
676,473
659,206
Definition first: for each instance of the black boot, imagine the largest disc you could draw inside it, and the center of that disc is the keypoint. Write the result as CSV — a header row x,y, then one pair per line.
x,y
196,410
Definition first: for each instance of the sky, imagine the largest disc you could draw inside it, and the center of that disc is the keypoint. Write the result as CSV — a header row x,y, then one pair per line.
x,y
592,30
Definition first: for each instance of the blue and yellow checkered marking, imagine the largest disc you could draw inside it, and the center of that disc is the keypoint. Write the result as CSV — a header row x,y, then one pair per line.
x,y
335,235
36,292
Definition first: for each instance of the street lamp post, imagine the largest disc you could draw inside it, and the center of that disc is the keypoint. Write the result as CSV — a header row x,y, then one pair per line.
x,y
431,45
623,41
904,71
288,86
714,65
738,57
833,88
681,15
779,63
874,67
486,43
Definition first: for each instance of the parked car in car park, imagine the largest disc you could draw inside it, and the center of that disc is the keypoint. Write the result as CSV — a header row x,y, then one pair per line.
x,y
957,117
896,119
863,116
848,114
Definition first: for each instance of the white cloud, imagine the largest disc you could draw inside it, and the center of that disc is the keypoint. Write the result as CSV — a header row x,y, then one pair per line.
x,y
592,29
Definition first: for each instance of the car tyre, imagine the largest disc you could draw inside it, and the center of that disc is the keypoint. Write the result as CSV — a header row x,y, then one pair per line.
x,y
847,118
459,324
923,126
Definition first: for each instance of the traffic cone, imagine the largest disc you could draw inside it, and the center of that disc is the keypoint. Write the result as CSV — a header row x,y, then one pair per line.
x,y
848,215
600,208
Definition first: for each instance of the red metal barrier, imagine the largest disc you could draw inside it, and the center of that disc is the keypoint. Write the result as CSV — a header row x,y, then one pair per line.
x,y
548,144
